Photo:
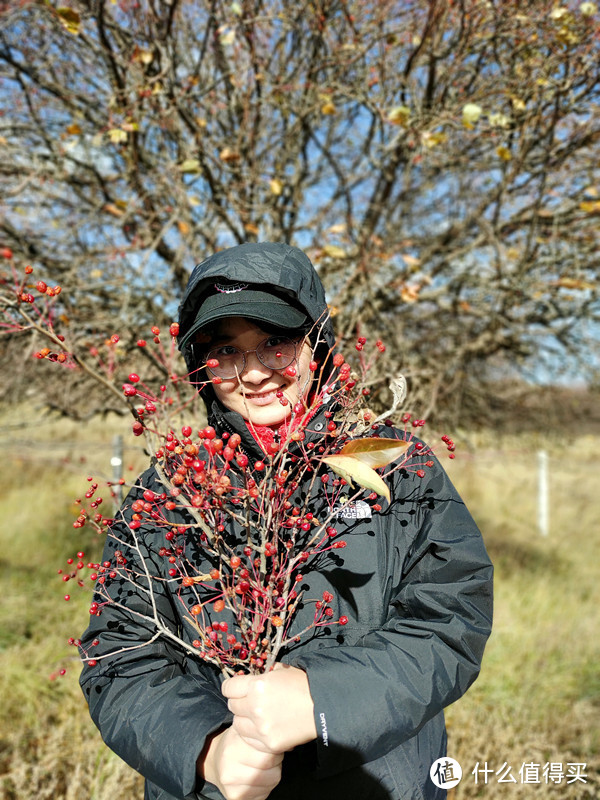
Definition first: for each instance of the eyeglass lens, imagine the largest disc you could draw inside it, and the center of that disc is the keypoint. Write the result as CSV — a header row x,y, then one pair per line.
x,y
274,353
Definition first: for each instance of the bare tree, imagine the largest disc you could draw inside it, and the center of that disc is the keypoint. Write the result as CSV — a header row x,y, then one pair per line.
x,y
437,159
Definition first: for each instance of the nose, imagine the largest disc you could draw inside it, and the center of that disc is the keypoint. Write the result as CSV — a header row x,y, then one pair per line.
x,y
255,371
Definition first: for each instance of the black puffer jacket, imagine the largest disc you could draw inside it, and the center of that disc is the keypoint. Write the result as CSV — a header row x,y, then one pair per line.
x,y
414,581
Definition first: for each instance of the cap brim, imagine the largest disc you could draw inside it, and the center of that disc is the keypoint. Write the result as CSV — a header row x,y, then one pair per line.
x,y
250,304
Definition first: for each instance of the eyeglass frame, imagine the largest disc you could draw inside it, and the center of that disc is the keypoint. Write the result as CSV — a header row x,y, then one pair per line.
x,y
205,356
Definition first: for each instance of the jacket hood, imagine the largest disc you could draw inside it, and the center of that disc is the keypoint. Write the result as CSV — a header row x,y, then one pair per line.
x,y
279,268
282,269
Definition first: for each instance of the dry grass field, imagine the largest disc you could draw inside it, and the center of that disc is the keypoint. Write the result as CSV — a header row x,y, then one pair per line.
x,y
536,702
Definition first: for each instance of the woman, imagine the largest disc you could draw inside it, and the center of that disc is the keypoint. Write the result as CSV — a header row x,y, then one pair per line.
x,y
350,714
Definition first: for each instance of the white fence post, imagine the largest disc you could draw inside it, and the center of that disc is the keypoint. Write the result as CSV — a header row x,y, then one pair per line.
x,y
116,463
543,513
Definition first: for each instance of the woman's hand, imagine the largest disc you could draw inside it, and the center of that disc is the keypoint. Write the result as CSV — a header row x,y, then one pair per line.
x,y
238,770
273,712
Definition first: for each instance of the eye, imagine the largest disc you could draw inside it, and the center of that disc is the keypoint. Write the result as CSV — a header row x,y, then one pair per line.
x,y
276,341
223,350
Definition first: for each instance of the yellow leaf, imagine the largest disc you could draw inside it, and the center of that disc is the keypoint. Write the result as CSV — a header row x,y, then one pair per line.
x,y
410,294
228,155
431,140
574,283
250,227
588,9
328,108
351,469
276,186
184,228
193,200
117,136
333,251
374,452
96,273
111,208
411,261
504,153
399,115
499,120
340,227
590,206
70,19
74,129
226,36
471,113
189,165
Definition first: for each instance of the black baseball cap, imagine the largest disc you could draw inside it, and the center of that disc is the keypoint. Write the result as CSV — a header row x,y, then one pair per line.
x,y
248,301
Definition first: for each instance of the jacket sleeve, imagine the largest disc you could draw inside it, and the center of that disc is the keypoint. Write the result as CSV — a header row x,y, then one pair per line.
x,y
150,709
374,695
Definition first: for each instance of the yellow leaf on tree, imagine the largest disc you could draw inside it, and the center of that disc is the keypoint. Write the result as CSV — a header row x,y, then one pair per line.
x,y
111,208
189,165
353,470
74,129
328,108
276,186
250,227
183,227
228,155
471,113
410,294
411,261
504,153
574,283
117,136
227,36
431,140
333,251
499,120
70,19
399,115
590,206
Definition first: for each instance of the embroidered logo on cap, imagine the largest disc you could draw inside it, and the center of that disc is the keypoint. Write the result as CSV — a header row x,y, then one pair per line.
x,y
230,288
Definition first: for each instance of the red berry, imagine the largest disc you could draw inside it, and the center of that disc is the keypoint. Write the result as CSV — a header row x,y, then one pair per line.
x,y
343,620
174,329
6,252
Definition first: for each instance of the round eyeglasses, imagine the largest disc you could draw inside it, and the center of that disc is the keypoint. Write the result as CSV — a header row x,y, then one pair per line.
x,y
226,361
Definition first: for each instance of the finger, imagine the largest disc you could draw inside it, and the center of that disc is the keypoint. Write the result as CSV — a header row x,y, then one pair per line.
x,y
239,707
237,686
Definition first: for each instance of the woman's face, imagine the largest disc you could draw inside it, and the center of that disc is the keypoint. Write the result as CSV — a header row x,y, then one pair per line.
x,y
253,393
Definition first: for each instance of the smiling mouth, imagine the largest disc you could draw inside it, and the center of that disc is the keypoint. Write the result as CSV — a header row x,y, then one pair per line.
x,y
264,397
